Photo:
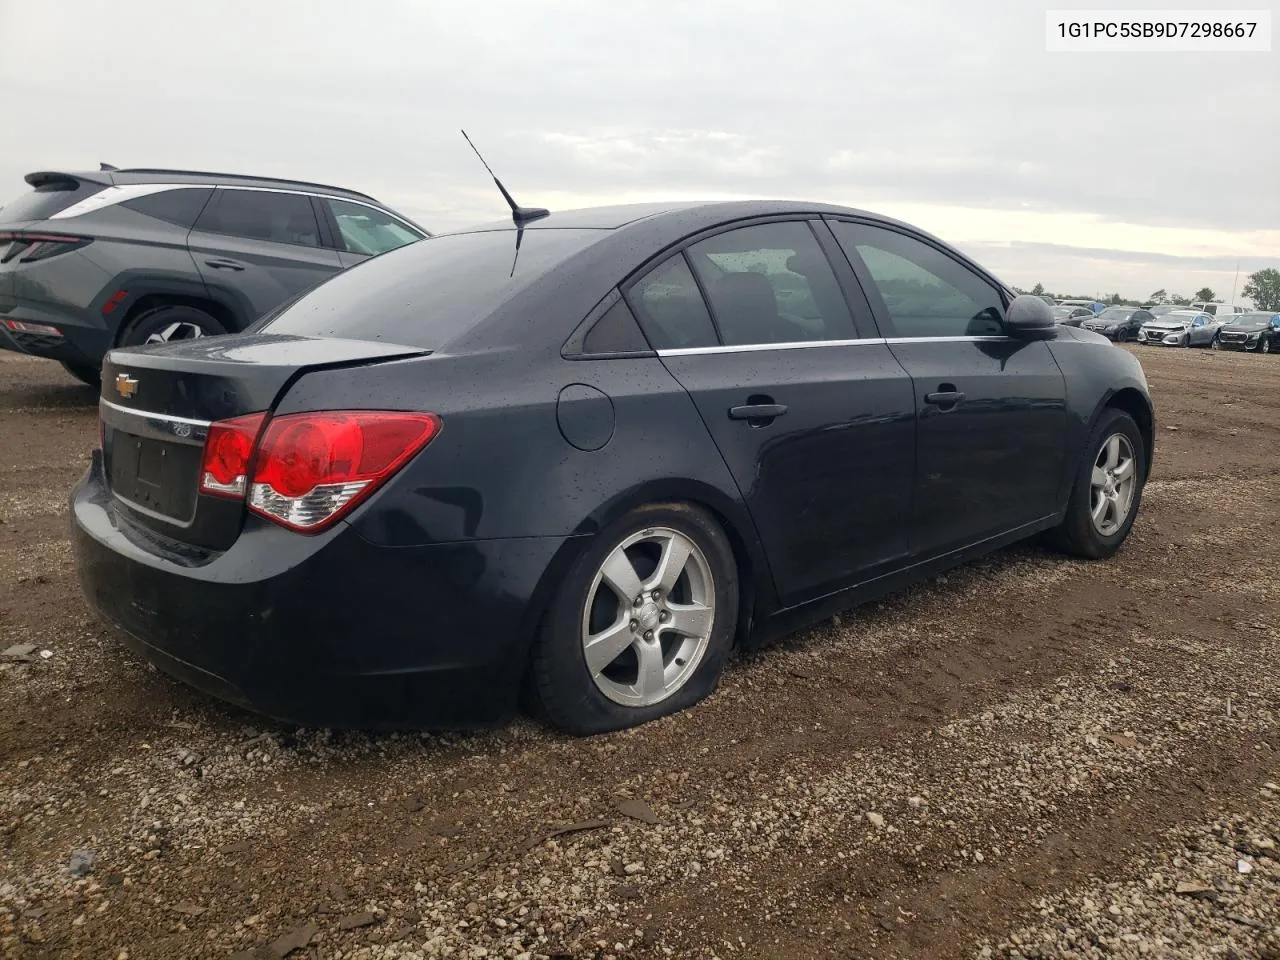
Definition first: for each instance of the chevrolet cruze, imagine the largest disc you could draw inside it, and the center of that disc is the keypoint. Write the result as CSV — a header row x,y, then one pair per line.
x,y
582,457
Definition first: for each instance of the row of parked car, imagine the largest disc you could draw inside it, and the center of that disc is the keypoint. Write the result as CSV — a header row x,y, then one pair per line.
x,y
1227,327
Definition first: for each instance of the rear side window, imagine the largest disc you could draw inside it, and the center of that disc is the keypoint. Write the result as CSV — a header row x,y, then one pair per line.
x,y
368,231
771,283
670,307
262,215
180,206
428,293
43,202
615,332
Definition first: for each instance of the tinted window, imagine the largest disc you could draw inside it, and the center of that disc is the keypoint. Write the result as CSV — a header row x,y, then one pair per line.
x,y
427,293
670,307
369,231
262,215
925,292
771,284
179,207
615,332
47,200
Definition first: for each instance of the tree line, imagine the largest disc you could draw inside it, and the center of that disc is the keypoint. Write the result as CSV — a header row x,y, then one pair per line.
x,y
1263,288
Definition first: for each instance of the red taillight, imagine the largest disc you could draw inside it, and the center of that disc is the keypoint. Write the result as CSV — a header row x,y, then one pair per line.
x,y
37,246
311,468
228,450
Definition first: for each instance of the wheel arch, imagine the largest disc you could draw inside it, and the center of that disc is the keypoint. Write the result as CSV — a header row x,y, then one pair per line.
x,y
1132,401
146,292
755,590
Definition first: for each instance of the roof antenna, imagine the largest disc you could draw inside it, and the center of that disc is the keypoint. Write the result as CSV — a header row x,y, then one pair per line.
x,y
521,215
107,166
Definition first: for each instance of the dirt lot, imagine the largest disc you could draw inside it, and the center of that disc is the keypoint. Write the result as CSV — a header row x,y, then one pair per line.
x,y
1030,756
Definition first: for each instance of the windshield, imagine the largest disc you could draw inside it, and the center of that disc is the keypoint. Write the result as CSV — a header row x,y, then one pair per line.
x,y
1251,319
1116,314
1064,311
1161,309
430,292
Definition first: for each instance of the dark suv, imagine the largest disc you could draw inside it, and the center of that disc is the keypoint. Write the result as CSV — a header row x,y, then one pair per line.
x,y
89,261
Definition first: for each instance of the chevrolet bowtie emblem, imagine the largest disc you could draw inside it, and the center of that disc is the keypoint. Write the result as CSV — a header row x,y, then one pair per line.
x,y
126,385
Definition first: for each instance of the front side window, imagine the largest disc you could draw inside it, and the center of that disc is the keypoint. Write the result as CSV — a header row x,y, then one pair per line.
x,y
368,231
925,292
262,215
771,283
670,307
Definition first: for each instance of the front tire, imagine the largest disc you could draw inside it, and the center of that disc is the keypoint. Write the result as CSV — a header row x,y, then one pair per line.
x,y
1264,345
642,625
1107,491
89,376
169,324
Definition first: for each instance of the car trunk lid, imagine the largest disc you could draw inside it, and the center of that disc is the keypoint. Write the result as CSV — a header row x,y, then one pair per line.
x,y
157,404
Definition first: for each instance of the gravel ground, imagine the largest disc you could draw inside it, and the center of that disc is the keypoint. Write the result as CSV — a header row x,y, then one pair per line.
x,y
1029,757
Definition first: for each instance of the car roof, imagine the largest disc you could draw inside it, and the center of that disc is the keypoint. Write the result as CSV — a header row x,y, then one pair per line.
x,y
131,175
627,239
678,219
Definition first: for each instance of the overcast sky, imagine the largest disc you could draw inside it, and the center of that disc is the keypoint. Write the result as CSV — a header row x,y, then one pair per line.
x,y
1087,172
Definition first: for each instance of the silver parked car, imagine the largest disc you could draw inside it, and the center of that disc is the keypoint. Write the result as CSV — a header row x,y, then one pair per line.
x,y
1182,328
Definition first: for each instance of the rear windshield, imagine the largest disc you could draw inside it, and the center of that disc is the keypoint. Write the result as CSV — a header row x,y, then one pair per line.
x,y
428,293
44,202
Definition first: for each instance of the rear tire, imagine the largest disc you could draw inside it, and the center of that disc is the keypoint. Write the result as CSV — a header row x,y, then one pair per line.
x,y
89,376
657,650
1114,440
169,324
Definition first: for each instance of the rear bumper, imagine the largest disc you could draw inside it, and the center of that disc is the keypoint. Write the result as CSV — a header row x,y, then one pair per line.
x,y
327,630
82,341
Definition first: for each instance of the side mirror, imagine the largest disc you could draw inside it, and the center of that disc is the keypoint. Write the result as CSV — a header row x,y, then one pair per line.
x,y
1028,313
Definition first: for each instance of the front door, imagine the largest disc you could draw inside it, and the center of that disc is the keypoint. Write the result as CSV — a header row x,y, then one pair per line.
x,y
991,409
815,423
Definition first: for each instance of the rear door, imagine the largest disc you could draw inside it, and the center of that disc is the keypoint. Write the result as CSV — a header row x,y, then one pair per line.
x,y
812,414
991,429
260,247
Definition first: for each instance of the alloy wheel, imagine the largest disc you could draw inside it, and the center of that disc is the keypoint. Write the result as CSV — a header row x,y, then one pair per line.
x,y
1265,345
1112,485
648,617
176,331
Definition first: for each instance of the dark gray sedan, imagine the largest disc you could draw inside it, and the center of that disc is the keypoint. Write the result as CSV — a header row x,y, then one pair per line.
x,y
1118,323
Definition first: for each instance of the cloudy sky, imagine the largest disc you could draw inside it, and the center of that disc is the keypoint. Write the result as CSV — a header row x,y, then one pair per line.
x,y
1087,172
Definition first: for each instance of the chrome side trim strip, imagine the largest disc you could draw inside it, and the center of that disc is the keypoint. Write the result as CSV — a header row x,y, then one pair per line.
x,y
756,347
997,338
810,344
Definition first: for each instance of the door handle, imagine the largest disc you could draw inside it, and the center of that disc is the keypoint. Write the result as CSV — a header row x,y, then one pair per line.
x,y
946,397
753,412
225,265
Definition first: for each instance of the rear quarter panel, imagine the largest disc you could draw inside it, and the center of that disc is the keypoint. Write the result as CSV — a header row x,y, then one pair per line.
x,y
502,467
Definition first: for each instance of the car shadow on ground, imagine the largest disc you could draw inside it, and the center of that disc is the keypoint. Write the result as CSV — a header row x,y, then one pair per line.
x,y
68,396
